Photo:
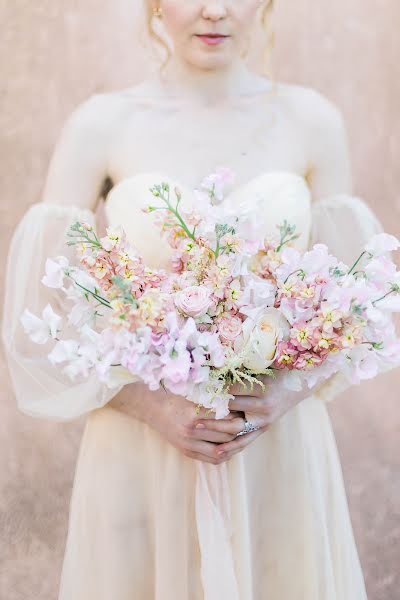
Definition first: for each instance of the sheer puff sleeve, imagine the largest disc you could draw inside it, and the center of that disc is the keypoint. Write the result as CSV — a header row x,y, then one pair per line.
x,y
41,389
345,224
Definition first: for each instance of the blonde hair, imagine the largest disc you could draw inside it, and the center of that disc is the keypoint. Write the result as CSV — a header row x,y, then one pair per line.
x,y
267,33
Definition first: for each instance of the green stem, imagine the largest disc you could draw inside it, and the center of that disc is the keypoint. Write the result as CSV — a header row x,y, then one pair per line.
x,y
384,296
283,242
99,298
290,274
178,217
356,263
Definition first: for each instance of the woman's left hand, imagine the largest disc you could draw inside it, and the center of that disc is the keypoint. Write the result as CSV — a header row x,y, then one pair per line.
x,y
261,407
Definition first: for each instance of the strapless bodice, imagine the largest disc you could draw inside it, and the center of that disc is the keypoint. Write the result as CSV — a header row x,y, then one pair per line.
x,y
280,195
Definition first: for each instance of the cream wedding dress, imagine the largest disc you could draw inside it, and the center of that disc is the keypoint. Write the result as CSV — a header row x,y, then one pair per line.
x,y
148,523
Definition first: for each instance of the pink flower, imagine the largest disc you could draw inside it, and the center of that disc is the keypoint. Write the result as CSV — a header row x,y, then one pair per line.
x,y
301,335
176,367
286,356
307,361
229,328
113,239
193,301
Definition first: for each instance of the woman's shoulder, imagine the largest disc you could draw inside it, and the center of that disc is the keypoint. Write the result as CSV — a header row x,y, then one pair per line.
x,y
313,108
100,113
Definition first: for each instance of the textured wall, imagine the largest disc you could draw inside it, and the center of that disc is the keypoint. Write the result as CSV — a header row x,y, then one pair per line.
x,y
54,55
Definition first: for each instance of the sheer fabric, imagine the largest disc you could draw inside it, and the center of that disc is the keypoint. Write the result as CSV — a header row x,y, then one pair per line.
x,y
345,224
41,390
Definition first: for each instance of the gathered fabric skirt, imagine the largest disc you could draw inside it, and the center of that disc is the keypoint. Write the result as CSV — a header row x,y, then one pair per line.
x,y
133,532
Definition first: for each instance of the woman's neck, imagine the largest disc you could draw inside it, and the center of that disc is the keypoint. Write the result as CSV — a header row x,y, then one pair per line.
x,y
205,86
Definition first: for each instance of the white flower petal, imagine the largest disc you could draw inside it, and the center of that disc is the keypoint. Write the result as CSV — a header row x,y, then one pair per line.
x,y
36,328
381,243
52,320
64,350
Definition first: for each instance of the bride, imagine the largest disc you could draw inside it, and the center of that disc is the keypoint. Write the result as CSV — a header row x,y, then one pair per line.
x,y
168,504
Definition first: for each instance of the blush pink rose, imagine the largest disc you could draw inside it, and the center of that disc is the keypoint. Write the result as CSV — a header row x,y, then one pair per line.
x,y
193,301
229,328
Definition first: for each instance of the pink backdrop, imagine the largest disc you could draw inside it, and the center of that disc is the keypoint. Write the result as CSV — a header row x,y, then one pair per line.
x,y
54,55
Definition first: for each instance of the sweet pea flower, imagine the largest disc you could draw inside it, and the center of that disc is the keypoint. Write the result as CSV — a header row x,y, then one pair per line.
x,y
81,280
41,330
380,270
213,347
216,182
176,366
257,292
291,259
64,350
55,275
318,260
381,243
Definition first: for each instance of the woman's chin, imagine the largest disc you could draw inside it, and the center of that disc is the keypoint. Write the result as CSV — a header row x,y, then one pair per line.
x,y
206,61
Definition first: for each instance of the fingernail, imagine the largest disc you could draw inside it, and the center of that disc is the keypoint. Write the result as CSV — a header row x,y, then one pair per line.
x,y
200,426
220,451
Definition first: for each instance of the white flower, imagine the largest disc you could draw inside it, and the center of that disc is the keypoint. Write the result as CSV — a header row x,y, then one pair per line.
x,y
84,309
216,182
84,279
381,243
260,338
54,277
64,350
40,330
257,292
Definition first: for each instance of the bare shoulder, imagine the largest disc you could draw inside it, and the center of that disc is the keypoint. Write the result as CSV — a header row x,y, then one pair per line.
x,y
325,139
98,114
311,108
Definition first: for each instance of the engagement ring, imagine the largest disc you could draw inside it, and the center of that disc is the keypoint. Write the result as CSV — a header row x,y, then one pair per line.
x,y
248,427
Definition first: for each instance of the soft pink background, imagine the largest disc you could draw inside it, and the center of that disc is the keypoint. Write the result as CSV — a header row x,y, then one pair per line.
x,y
55,54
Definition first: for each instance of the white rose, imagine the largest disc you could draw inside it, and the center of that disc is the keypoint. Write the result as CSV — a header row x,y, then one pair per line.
x,y
260,338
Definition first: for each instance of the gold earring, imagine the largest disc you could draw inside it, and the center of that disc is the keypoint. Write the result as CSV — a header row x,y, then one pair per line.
x,y
157,11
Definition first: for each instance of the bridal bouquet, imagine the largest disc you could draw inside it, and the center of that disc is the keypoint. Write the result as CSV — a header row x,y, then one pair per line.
x,y
234,307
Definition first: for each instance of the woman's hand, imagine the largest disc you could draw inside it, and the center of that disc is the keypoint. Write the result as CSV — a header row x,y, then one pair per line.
x,y
261,408
175,418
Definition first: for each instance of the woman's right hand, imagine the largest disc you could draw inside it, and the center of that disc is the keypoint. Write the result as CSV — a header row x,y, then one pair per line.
x,y
175,419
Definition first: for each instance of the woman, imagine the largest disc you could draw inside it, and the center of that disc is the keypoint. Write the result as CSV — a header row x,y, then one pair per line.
x,y
161,508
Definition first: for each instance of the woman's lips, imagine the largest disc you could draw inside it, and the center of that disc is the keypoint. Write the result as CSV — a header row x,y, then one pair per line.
x,y
212,40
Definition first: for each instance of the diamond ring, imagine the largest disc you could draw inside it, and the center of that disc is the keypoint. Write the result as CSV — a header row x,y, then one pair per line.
x,y
248,427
